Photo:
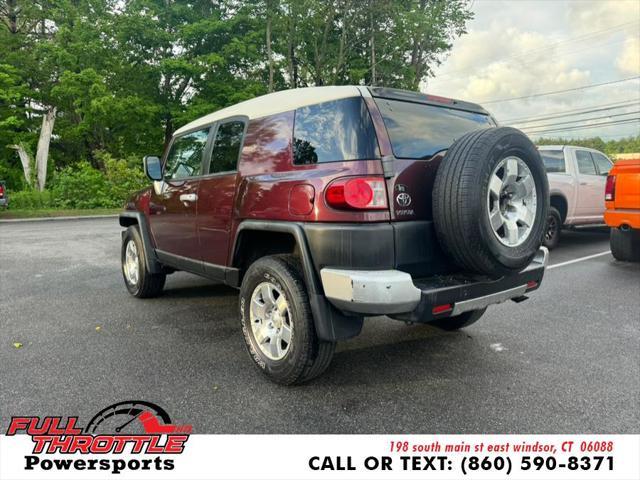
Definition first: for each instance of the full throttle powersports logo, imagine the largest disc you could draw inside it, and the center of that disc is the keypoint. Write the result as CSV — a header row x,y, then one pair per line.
x,y
129,427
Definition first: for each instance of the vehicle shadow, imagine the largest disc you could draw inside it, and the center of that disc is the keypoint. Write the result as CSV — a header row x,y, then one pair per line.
x,y
575,243
184,286
419,353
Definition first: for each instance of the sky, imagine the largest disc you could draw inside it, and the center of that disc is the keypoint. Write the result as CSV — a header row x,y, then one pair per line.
x,y
517,48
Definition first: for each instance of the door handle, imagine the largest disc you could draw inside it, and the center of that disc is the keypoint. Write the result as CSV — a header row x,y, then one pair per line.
x,y
188,197
583,183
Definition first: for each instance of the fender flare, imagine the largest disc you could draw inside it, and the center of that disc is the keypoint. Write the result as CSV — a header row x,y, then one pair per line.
x,y
560,194
331,324
128,218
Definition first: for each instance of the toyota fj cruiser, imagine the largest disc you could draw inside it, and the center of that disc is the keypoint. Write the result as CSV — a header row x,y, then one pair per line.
x,y
326,205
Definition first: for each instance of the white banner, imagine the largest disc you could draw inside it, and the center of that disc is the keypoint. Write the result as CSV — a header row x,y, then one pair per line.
x,y
330,457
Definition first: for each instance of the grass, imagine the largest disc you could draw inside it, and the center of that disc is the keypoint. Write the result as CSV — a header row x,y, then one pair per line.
x,y
7,214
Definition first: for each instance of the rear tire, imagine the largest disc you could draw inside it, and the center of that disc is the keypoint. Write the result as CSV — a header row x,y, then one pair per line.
x,y
139,281
459,321
287,362
554,227
490,201
625,244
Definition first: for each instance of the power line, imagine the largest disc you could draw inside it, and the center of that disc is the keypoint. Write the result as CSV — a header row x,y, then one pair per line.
x,y
601,124
568,113
579,38
608,136
576,127
533,127
543,94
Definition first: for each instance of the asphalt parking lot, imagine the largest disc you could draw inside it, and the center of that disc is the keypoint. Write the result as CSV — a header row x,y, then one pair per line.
x,y
567,360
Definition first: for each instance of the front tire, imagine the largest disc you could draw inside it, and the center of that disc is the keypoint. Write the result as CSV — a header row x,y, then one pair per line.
x,y
625,244
277,323
554,227
139,281
459,321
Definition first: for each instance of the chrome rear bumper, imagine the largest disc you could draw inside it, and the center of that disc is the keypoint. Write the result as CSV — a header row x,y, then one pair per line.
x,y
392,292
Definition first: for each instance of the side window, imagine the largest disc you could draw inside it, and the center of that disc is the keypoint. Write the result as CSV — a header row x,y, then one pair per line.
x,y
602,162
226,147
553,160
185,157
334,131
585,163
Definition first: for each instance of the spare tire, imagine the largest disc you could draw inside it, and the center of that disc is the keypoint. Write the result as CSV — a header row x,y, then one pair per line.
x,y
491,201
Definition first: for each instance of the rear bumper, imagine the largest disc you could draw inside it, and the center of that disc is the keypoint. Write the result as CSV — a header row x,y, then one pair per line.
x,y
395,293
619,217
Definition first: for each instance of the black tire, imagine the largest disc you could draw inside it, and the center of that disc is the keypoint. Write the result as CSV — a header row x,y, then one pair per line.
x,y
625,244
459,321
148,284
554,228
307,356
460,201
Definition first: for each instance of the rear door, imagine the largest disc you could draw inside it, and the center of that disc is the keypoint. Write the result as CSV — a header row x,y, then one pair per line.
x,y
420,135
590,204
216,194
174,201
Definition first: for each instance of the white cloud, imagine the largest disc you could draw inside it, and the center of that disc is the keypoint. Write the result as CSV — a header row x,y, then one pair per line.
x,y
628,62
522,48
590,15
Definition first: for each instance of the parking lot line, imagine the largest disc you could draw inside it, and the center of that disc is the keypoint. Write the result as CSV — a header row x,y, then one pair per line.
x,y
576,260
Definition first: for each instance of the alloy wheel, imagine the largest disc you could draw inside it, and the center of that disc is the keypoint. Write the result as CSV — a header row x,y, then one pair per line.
x,y
271,320
511,201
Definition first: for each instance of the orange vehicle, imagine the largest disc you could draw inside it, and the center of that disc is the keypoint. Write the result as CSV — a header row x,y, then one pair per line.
x,y
622,199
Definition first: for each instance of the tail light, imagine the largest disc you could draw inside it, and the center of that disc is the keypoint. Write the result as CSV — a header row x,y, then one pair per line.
x,y
440,309
610,189
1,191
357,193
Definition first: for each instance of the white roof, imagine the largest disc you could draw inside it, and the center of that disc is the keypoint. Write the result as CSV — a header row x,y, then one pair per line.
x,y
276,102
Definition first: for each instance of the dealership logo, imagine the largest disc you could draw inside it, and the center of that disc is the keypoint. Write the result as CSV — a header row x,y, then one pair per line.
x,y
128,428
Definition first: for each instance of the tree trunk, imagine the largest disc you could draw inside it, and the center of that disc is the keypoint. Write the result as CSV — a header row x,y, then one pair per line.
x,y
373,45
25,160
168,132
269,55
42,153
12,11
291,47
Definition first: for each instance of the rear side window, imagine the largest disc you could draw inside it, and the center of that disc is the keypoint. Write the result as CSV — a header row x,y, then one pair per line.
x,y
226,147
185,157
602,162
553,160
419,131
585,163
334,131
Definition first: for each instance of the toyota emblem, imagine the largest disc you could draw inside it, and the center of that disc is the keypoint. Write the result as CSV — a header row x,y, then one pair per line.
x,y
403,199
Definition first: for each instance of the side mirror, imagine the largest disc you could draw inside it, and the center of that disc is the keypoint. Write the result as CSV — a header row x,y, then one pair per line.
x,y
153,167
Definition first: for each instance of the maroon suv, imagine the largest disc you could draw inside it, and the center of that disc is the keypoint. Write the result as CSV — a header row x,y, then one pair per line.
x,y
326,205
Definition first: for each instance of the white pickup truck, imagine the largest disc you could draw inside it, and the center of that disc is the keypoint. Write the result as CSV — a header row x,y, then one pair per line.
x,y
577,178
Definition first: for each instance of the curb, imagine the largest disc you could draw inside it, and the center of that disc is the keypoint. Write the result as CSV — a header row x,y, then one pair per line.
x,y
53,219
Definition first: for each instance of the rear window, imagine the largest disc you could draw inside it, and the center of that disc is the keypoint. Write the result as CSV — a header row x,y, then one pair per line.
x,y
419,131
603,163
334,131
585,163
553,160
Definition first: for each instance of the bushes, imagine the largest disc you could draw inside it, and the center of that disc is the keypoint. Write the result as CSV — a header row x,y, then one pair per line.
x,y
83,186
30,199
